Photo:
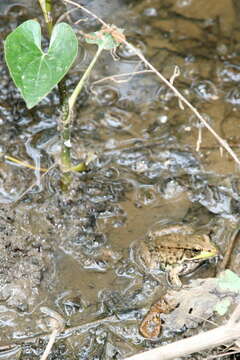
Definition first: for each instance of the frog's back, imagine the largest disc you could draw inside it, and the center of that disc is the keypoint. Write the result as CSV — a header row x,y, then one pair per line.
x,y
182,241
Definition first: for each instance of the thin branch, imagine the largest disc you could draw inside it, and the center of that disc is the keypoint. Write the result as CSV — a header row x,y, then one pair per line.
x,y
221,141
115,77
23,163
58,325
87,11
202,341
50,344
64,15
231,241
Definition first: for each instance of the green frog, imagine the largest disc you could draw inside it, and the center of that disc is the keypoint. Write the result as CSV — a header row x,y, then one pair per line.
x,y
176,249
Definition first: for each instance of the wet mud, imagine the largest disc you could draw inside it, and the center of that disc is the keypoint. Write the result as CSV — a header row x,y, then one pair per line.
x,y
74,252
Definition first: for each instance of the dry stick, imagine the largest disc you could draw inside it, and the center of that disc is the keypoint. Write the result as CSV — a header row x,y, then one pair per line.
x,y
64,15
223,333
59,324
50,344
221,141
199,139
219,356
87,11
230,246
23,163
68,331
115,77
211,338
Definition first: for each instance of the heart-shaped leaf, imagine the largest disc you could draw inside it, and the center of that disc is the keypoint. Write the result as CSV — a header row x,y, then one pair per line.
x,y
34,72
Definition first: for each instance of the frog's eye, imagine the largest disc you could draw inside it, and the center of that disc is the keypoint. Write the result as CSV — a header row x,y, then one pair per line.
x,y
196,251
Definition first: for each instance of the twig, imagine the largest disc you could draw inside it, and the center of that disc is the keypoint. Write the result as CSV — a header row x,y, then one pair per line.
x,y
175,74
69,331
23,163
87,11
202,341
219,356
221,141
199,139
64,15
49,346
230,245
58,324
115,77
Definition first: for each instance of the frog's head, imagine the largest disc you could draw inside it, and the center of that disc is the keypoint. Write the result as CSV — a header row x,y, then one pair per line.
x,y
206,249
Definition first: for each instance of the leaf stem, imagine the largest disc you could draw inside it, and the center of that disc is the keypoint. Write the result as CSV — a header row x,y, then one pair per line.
x,y
78,88
66,122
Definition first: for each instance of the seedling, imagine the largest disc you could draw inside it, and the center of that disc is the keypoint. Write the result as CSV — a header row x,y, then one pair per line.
x,y
36,72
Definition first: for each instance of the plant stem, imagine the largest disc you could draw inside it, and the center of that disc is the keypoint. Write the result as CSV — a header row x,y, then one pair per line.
x,y
46,6
66,123
49,16
67,106
65,156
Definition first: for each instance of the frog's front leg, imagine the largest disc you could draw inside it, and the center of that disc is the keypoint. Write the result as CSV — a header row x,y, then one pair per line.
x,y
173,276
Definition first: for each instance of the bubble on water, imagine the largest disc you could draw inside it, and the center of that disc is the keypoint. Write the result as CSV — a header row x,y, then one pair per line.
x,y
162,119
106,95
128,54
230,72
146,195
151,11
183,3
170,189
164,93
117,119
206,90
233,96
126,269
222,49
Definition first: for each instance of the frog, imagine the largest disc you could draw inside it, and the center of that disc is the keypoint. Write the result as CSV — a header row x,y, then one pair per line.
x,y
177,249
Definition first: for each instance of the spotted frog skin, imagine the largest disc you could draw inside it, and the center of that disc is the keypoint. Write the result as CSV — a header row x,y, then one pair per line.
x,y
177,249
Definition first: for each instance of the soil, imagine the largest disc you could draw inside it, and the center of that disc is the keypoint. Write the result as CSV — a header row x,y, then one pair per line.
x,y
73,252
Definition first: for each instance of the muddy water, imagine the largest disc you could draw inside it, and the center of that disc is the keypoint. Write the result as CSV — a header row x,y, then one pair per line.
x,y
73,252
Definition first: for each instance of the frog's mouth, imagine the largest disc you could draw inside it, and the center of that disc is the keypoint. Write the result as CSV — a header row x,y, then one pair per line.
x,y
204,255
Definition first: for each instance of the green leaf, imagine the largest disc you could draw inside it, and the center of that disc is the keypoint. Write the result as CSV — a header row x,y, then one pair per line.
x,y
229,281
222,306
34,72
